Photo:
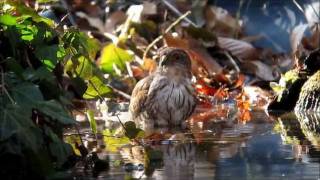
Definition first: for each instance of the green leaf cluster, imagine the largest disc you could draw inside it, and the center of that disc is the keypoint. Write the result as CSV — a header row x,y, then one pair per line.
x,y
42,69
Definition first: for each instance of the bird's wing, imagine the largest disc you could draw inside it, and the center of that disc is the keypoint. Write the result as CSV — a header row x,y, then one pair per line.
x,y
139,96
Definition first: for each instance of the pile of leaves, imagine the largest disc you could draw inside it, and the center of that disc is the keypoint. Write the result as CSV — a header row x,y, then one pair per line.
x,y
224,61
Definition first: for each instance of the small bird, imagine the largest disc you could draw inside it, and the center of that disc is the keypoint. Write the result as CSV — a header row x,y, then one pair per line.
x,y
165,98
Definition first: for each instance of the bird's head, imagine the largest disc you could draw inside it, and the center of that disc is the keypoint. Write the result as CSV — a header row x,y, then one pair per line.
x,y
175,61
174,57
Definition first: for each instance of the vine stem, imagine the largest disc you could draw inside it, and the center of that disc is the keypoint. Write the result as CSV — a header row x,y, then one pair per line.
x,y
2,86
124,128
165,32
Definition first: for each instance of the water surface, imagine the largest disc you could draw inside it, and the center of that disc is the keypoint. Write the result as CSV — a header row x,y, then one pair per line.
x,y
265,148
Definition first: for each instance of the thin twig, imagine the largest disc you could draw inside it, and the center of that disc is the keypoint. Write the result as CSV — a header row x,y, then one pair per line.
x,y
233,62
176,11
165,32
121,93
78,131
70,16
27,58
62,20
121,123
96,89
298,6
126,132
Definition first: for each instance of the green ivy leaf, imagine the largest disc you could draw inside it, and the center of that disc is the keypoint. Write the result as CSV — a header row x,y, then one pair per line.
x,y
14,66
44,35
113,55
96,88
132,131
85,68
27,94
26,11
72,139
13,120
79,84
113,143
59,149
80,44
92,121
28,33
42,73
8,20
55,111
50,55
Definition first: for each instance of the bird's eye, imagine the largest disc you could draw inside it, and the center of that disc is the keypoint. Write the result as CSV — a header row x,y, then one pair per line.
x,y
176,57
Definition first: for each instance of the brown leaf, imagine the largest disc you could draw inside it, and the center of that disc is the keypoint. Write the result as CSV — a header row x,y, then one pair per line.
x,y
176,42
240,81
95,22
114,20
297,35
260,70
312,42
149,65
220,21
203,88
149,8
138,72
239,48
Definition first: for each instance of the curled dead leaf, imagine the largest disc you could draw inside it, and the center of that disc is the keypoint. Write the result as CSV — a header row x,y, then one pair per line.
x,y
239,48
260,70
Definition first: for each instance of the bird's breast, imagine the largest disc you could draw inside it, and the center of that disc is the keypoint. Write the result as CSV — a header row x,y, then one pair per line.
x,y
173,102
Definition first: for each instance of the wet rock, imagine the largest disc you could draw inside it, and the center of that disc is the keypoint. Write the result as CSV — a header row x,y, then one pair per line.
x,y
309,97
312,61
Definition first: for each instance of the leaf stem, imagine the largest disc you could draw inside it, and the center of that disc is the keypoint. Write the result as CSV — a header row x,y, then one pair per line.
x,y
2,86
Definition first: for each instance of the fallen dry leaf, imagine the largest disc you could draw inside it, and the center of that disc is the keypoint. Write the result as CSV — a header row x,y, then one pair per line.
x,y
149,65
239,48
297,35
114,20
260,70
138,72
221,22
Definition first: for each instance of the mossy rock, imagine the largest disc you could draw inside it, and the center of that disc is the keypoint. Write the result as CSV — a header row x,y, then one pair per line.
x,y
288,91
309,97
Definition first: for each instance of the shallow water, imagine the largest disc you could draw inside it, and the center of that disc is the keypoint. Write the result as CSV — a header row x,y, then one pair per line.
x,y
279,147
